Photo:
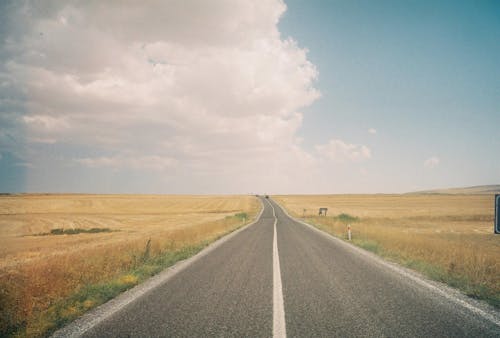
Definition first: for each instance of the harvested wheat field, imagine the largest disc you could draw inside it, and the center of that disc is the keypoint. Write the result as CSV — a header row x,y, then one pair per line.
x,y
447,237
59,252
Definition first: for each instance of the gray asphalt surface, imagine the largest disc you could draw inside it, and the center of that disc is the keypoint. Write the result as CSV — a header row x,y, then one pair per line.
x,y
226,293
329,290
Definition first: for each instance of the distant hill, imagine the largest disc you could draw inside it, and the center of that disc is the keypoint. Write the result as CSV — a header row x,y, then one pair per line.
x,y
478,190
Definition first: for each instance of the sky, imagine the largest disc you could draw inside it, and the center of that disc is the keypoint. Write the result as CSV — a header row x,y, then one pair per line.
x,y
231,97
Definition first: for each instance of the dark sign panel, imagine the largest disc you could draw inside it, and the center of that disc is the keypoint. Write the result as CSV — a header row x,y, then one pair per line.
x,y
497,214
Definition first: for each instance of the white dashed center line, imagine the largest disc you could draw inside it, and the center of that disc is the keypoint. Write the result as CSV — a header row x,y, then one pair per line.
x,y
279,326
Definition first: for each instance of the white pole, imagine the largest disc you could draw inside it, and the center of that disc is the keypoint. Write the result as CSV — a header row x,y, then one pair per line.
x,y
349,232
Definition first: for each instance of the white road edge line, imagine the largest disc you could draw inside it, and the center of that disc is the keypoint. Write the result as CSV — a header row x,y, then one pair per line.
x,y
279,325
448,293
92,318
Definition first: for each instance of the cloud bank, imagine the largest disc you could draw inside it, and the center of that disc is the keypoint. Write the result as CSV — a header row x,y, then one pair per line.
x,y
202,92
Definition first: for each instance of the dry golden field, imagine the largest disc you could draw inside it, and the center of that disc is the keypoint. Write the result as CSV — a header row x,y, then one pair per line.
x,y
39,271
447,237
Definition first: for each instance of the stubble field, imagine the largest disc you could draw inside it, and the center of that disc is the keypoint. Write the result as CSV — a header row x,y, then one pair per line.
x,y
449,238
61,255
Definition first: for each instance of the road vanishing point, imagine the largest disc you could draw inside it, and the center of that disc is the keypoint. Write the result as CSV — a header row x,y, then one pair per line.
x,y
280,277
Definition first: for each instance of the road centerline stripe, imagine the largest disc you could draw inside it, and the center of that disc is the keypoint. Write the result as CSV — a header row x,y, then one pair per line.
x,y
279,326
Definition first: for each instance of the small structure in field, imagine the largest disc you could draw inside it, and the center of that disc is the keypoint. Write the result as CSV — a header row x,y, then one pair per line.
x,y
322,211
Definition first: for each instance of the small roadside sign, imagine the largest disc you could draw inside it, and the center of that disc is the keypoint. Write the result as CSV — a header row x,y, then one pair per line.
x,y
497,214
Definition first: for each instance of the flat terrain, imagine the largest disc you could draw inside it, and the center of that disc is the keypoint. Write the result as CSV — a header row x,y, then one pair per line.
x,y
479,189
131,216
329,288
447,237
39,269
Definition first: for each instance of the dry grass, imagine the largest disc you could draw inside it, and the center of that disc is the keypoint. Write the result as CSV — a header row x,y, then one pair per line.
x,y
38,272
448,237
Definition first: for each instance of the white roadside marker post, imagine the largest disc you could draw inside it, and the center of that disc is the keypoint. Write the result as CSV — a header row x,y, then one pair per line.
x,y
349,232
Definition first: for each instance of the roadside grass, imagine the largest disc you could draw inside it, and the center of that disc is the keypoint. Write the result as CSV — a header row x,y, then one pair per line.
x,y
38,297
68,309
241,216
453,247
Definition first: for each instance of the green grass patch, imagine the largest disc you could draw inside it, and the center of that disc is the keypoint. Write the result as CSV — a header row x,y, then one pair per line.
x,y
368,245
343,217
243,216
74,231
474,290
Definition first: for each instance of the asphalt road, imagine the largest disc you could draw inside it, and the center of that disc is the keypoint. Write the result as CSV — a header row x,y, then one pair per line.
x,y
328,289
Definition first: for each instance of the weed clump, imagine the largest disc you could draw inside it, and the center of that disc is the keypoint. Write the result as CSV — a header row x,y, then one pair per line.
x,y
74,231
241,215
343,217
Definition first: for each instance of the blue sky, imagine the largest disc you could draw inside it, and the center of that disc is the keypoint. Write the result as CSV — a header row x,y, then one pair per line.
x,y
424,74
241,97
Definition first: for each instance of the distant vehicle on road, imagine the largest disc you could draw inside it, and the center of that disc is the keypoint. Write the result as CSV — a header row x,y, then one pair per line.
x,y
267,196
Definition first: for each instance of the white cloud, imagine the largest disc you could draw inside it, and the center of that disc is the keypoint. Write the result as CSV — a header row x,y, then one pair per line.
x,y
340,151
201,91
372,131
432,162
154,162
204,84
